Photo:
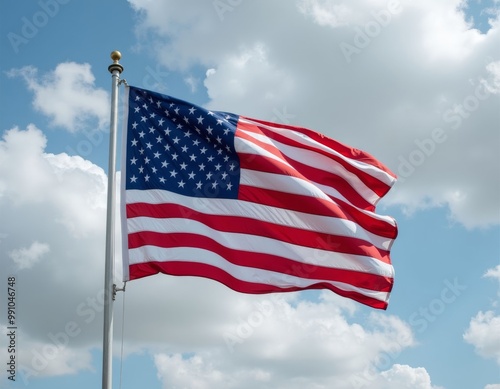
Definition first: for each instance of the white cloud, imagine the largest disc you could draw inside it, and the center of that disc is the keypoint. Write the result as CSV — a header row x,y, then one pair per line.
x,y
493,273
26,257
60,200
484,334
326,13
419,91
403,377
492,386
67,95
280,342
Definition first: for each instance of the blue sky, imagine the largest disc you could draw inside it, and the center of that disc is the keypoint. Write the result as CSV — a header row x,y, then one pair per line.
x,y
416,85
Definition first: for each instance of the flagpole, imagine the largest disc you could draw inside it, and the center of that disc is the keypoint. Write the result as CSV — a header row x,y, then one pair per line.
x,y
107,343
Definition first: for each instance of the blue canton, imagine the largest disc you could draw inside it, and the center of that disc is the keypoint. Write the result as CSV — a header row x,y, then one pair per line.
x,y
179,147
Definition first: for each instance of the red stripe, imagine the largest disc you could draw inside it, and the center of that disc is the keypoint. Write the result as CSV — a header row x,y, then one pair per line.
x,y
379,187
308,173
179,268
243,225
317,206
261,260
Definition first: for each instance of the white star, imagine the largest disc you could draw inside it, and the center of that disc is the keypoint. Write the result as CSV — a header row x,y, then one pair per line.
x,y
157,154
173,173
183,166
146,178
133,161
229,186
191,110
200,119
134,142
199,185
133,179
181,184
191,175
160,122
134,125
141,134
214,184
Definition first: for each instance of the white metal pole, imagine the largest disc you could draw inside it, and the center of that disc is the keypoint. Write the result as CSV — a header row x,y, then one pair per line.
x,y
107,343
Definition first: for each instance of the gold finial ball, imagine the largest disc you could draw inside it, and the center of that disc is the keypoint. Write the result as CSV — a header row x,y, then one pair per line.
x,y
116,55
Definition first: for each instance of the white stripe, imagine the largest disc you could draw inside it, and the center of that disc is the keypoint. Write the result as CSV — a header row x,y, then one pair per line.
x,y
324,224
299,186
308,158
194,255
263,245
305,140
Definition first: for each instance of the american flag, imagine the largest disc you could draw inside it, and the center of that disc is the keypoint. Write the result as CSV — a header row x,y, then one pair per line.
x,y
260,207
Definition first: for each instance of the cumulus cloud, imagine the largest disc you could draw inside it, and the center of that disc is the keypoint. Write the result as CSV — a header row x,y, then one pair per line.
x,y
418,88
484,334
282,342
493,273
67,95
59,200
26,257
403,377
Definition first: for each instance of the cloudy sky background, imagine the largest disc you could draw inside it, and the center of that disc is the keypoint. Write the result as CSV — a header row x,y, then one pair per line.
x,y
415,84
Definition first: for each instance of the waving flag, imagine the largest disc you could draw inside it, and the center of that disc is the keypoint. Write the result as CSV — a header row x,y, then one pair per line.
x,y
258,206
